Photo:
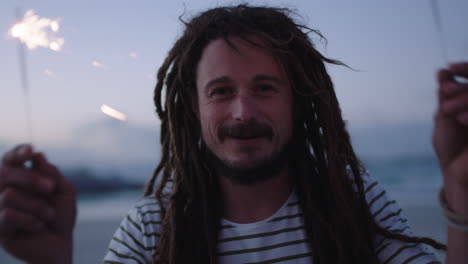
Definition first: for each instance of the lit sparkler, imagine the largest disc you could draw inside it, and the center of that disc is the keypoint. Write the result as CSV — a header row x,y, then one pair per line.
x,y
33,31
113,113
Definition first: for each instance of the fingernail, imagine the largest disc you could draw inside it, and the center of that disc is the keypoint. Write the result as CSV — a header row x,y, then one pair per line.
x,y
46,185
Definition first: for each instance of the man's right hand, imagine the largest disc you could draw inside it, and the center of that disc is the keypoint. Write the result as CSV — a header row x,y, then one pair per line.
x,y
37,208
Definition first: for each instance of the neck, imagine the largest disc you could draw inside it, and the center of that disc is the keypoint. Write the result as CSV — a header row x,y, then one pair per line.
x,y
255,202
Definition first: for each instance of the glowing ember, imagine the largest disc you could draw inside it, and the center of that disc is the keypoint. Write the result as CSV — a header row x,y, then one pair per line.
x,y
35,31
150,76
133,54
56,45
113,113
54,25
50,73
97,64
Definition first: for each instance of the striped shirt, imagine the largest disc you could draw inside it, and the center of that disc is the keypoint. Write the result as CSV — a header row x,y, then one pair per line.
x,y
281,238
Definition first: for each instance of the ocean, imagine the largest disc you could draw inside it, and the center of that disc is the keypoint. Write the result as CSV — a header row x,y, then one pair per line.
x,y
411,180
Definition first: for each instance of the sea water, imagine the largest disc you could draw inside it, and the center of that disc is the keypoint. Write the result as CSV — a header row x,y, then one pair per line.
x,y
411,180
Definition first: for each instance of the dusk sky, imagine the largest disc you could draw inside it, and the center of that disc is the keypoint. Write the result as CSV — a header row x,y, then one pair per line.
x,y
394,47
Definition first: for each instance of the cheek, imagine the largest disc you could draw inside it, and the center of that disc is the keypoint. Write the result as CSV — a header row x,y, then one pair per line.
x,y
285,121
208,126
287,125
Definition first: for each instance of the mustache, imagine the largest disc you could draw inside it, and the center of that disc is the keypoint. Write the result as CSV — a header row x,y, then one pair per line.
x,y
251,129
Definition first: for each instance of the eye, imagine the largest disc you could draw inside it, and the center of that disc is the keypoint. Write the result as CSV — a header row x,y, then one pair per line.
x,y
220,91
266,88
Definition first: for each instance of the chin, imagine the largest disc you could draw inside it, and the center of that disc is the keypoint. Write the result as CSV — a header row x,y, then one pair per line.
x,y
248,167
244,164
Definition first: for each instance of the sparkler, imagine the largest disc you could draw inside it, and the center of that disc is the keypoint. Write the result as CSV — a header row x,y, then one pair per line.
x,y
438,25
33,31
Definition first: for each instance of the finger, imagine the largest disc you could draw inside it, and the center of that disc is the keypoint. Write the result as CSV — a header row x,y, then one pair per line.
x,y
451,89
460,69
462,118
18,155
61,184
444,75
26,203
13,221
452,106
26,179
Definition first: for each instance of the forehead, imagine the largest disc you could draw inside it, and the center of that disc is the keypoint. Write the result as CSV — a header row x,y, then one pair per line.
x,y
239,61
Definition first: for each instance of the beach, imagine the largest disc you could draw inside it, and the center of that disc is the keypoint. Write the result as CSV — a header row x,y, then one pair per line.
x,y
92,236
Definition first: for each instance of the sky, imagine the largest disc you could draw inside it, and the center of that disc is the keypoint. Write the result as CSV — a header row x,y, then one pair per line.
x,y
388,99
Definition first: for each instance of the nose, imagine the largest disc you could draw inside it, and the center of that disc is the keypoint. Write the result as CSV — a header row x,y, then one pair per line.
x,y
243,108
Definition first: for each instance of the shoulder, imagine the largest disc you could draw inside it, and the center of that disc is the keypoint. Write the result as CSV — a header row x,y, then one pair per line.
x,y
384,209
137,236
389,215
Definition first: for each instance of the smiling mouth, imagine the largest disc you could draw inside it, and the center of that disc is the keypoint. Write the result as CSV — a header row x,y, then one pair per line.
x,y
245,131
245,137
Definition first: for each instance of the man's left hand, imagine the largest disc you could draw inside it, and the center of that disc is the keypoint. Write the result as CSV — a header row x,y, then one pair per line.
x,y
450,138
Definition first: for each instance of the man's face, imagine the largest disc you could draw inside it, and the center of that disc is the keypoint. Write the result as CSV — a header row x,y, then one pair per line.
x,y
244,104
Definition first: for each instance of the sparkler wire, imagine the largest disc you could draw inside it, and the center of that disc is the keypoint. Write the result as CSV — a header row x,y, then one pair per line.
x,y
25,82
438,24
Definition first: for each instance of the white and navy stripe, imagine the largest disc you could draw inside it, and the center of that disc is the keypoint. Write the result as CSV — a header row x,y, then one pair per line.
x,y
280,238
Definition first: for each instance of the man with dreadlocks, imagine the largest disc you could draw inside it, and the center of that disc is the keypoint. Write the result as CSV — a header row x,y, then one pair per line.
x,y
256,167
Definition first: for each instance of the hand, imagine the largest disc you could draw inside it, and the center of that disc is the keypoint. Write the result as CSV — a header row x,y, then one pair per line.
x,y
37,208
450,138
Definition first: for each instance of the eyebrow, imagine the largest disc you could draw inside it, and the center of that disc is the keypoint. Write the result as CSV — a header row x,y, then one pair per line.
x,y
220,80
257,78
264,77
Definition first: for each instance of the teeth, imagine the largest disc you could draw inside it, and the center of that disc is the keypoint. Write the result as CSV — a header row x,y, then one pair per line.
x,y
243,137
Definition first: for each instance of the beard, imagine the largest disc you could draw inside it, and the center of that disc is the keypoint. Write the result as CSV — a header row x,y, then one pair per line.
x,y
261,170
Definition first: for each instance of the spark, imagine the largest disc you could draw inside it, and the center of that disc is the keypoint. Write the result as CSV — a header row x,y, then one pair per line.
x,y
56,45
113,113
35,31
97,64
50,73
133,54
54,25
150,76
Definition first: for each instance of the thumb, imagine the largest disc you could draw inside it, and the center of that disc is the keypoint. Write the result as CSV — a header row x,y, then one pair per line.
x,y
61,184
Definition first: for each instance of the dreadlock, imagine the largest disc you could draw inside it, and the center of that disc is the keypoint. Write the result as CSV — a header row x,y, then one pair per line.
x,y
338,221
